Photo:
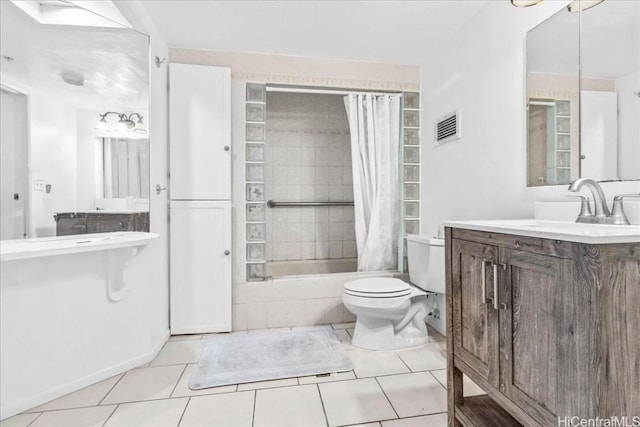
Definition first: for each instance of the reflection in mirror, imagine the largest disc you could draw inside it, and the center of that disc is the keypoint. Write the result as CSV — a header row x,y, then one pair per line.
x,y
610,106
553,87
57,82
599,138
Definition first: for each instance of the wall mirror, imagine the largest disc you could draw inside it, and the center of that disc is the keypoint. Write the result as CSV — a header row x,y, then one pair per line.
x,y
74,119
583,79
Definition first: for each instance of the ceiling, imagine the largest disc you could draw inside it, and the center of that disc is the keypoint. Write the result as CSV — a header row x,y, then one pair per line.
x,y
380,31
113,62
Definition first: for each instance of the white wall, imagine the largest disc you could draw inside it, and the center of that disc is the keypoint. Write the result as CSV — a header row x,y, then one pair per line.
x,y
157,251
13,165
628,126
482,72
52,159
86,147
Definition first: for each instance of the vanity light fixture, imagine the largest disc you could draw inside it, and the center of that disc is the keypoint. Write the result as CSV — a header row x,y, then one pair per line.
x,y
525,3
124,124
574,6
578,5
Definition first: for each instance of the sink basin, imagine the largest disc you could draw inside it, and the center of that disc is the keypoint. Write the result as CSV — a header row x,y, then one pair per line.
x,y
557,230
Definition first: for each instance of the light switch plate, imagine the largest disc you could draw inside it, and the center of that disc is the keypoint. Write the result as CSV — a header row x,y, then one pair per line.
x,y
38,185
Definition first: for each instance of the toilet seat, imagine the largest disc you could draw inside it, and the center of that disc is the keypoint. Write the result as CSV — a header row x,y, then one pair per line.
x,y
378,294
378,287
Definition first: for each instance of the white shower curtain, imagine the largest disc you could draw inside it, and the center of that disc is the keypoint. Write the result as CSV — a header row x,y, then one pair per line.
x,y
374,124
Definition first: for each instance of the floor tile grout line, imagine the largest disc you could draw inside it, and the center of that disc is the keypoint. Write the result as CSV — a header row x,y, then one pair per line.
x,y
111,389
436,378
387,397
110,415
324,409
173,390
253,414
34,420
403,362
184,411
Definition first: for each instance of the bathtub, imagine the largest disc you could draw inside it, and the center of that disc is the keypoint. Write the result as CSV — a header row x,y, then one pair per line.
x,y
297,295
313,266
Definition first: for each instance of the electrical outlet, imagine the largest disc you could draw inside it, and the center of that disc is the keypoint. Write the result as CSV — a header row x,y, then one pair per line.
x,y
38,185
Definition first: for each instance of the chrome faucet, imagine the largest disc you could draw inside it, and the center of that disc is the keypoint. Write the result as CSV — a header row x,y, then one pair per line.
x,y
602,214
599,202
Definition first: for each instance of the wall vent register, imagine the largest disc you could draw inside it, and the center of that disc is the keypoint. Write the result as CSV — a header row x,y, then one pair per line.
x,y
448,128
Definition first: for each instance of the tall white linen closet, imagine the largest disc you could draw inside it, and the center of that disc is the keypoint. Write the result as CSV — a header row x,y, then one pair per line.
x,y
200,198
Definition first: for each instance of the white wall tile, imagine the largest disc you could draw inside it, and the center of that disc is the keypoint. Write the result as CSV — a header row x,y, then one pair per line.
x,y
277,314
294,232
322,249
293,250
335,249
279,252
335,175
256,315
349,249
307,250
321,175
335,230
239,317
239,293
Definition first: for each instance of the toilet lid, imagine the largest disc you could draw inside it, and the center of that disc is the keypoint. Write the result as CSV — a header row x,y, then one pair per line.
x,y
378,287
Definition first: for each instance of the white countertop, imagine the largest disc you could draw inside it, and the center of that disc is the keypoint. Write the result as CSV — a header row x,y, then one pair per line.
x,y
61,245
105,211
556,230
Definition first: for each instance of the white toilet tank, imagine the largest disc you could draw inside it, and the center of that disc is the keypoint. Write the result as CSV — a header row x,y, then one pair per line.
x,y
426,262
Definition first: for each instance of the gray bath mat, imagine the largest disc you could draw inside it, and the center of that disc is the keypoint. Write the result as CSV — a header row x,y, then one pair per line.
x,y
235,359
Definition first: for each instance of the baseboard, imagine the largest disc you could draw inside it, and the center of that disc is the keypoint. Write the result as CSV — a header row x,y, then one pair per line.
x,y
15,408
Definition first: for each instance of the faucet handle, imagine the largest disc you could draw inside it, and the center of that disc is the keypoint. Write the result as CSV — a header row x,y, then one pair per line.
x,y
618,215
585,207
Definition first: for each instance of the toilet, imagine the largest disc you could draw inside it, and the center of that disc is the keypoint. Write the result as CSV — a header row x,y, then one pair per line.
x,y
390,313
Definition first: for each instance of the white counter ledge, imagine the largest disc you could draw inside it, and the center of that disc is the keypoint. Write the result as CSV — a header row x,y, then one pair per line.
x,y
61,245
556,230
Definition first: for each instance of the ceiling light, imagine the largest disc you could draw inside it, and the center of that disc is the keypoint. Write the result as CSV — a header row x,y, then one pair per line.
x,y
578,5
525,3
72,78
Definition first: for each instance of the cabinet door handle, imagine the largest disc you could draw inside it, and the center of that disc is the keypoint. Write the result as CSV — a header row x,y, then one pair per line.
x,y
496,304
484,281
227,252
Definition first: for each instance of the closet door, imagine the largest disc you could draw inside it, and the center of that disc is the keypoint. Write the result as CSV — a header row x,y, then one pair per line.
x,y
200,132
200,267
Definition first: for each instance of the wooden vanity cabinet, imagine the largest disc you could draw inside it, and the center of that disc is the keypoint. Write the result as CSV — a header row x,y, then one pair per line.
x,y
549,329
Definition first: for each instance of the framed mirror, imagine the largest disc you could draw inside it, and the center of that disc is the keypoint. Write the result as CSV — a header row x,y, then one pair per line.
x,y
75,148
582,80
610,87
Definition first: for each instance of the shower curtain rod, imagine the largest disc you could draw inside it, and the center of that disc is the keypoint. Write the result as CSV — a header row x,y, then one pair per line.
x,y
324,91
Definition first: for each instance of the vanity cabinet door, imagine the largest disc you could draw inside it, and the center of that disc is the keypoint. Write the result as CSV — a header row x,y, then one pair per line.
x,y
531,320
475,322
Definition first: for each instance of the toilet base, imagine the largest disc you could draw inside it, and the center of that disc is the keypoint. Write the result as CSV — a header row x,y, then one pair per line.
x,y
378,334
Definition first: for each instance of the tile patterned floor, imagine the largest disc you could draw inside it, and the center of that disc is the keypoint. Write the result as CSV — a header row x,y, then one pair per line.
x,y
403,388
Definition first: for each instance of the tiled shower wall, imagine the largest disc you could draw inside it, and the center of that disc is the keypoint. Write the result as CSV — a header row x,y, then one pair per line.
x,y
308,159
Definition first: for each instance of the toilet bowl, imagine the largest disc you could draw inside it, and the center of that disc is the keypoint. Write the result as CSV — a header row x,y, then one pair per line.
x,y
390,313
